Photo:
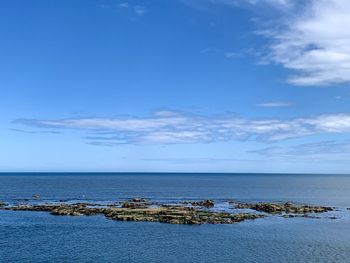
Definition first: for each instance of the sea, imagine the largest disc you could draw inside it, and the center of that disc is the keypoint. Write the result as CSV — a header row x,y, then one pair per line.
x,y
41,237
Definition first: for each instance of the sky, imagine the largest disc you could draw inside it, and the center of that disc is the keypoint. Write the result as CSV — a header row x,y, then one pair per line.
x,y
175,86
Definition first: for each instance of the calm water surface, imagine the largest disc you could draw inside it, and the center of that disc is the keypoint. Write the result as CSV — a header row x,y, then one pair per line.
x,y
41,237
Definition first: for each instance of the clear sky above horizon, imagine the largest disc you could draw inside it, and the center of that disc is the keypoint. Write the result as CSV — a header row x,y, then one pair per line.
x,y
178,85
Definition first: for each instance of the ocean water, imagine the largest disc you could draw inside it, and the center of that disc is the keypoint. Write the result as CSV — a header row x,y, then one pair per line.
x,y
41,237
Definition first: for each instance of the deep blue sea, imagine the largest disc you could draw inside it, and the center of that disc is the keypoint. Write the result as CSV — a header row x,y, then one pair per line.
x,y
41,237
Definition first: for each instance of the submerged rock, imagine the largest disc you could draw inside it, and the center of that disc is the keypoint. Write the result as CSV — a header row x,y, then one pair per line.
x,y
36,197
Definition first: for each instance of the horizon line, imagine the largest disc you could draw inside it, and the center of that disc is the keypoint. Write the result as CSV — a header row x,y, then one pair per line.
x,y
194,173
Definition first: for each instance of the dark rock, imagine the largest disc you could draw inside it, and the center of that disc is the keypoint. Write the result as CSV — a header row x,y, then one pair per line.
x,y
112,205
288,216
139,200
206,203
276,208
134,205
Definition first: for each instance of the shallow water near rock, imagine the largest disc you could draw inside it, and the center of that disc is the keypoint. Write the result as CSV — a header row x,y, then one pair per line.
x,y
40,237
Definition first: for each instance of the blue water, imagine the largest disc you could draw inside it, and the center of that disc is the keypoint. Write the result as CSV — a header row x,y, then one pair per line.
x,y
41,237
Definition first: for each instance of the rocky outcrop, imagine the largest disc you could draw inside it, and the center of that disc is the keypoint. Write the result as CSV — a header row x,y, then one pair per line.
x,y
142,210
177,215
172,214
2,204
206,203
277,208
136,203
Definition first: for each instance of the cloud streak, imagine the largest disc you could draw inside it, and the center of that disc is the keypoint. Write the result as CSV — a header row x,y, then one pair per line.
x,y
36,132
275,104
308,149
210,5
171,127
273,3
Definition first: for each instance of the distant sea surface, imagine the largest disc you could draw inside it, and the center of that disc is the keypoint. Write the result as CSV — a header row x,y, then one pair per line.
x,y
41,237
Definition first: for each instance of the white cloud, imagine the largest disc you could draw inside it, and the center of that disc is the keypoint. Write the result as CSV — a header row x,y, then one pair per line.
x,y
310,38
174,127
315,43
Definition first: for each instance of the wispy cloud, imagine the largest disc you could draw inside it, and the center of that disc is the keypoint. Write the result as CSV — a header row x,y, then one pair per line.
x,y
277,3
309,149
124,5
140,10
275,104
226,54
235,3
167,127
128,7
314,42
199,160
210,5
232,55
36,132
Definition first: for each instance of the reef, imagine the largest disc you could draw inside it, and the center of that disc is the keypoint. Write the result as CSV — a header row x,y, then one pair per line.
x,y
187,212
134,211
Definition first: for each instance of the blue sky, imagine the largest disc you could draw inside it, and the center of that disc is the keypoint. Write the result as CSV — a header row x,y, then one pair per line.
x,y
178,85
